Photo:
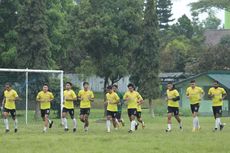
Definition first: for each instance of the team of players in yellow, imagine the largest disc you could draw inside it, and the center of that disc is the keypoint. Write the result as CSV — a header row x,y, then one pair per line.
x,y
133,99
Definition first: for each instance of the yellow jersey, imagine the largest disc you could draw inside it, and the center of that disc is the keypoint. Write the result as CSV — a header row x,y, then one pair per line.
x,y
45,98
133,98
10,97
217,94
86,96
194,94
69,94
112,99
173,94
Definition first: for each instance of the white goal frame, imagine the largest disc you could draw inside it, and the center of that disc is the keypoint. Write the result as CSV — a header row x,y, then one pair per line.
x,y
27,71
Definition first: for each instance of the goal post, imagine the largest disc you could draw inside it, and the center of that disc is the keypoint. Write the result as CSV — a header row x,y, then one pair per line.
x,y
27,71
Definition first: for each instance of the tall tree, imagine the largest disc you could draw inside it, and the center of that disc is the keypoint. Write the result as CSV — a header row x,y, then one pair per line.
x,y
33,44
146,57
8,35
204,5
211,22
164,13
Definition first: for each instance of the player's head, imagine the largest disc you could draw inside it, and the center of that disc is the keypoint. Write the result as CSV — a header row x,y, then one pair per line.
x,y
45,87
86,85
216,84
193,83
115,87
110,89
68,85
131,87
170,86
8,86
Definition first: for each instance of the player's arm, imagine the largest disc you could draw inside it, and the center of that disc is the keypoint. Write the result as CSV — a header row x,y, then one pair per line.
x,y
51,97
74,97
91,97
177,97
224,94
202,94
210,95
140,99
3,103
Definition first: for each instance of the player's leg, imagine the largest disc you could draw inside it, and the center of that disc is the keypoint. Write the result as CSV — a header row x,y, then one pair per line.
x,y
120,119
115,120
44,120
139,119
196,124
133,124
218,112
13,115
169,121
86,116
108,120
5,118
82,115
71,113
176,115
64,114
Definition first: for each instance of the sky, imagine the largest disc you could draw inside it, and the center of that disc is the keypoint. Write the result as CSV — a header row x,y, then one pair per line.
x,y
180,7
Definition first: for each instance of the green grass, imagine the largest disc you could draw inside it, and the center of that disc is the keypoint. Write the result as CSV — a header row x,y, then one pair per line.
x,y
30,139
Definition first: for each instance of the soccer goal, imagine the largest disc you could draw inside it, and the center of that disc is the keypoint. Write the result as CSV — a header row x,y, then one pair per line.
x,y
28,82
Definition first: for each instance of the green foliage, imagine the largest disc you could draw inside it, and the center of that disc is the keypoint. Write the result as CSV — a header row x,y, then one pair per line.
x,y
33,49
164,13
211,22
204,5
146,58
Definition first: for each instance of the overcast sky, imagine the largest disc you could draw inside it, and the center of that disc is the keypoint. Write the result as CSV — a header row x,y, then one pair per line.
x,y
181,7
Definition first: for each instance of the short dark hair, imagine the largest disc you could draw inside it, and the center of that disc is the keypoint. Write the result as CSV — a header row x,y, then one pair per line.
x,y
85,83
193,81
115,85
45,84
8,84
110,87
215,81
131,85
172,84
69,83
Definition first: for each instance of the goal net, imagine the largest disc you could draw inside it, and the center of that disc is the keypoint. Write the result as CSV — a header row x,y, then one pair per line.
x,y
28,83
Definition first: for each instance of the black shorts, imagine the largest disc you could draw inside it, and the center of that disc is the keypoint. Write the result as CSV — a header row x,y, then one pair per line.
x,y
45,112
70,111
138,114
195,107
11,111
84,111
132,111
217,110
112,113
174,110
118,115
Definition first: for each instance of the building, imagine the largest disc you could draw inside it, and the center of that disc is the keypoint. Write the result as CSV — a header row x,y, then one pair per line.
x,y
205,80
213,37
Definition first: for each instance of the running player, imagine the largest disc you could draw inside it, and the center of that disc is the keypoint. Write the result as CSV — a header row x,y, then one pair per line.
x,y
217,94
10,97
85,96
132,98
119,105
68,107
172,99
112,99
195,94
45,97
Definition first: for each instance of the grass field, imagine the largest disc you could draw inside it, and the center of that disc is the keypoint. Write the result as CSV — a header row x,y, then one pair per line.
x,y
152,139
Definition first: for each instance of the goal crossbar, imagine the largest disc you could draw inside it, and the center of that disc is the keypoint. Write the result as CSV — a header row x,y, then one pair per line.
x,y
27,71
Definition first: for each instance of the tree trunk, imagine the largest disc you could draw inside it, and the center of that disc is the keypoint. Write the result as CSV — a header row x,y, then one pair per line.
x,y
151,109
105,85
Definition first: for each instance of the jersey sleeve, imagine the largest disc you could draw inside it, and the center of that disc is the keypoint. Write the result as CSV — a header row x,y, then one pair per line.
x,y
79,94
210,91
38,96
15,94
117,97
201,91
74,95
223,91
176,93
125,96
51,95
139,96
92,95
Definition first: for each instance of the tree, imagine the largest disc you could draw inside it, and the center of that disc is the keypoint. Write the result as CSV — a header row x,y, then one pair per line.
x,y
8,35
211,22
33,49
183,27
146,57
204,5
164,13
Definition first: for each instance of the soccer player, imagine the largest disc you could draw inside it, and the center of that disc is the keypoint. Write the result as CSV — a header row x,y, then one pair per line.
x,y
85,96
139,116
172,99
10,97
217,94
119,105
112,99
195,94
45,97
68,107
132,98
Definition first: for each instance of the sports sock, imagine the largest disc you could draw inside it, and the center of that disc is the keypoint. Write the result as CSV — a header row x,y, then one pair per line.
x,y
15,123
216,123
108,123
194,122
65,123
133,124
6,123
169,126
74,123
